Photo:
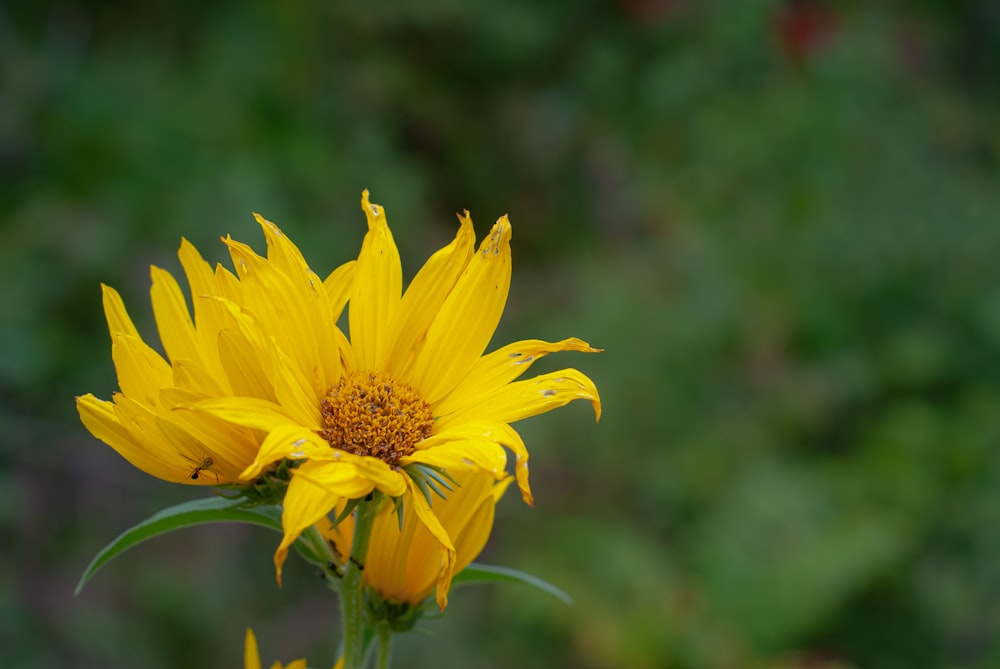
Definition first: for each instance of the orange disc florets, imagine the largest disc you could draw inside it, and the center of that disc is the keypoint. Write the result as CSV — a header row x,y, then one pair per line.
x,y
370,413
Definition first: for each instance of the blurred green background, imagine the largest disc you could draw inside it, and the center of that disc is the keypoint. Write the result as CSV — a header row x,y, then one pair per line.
x,y
779,219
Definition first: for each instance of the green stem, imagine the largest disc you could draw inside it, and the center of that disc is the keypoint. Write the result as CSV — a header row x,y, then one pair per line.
x,y
350,595
384,645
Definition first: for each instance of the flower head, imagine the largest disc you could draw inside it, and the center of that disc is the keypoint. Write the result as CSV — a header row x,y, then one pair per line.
x,y
262,375
403,558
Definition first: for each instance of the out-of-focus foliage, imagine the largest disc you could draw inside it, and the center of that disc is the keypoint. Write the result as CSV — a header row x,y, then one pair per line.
x,y
779,218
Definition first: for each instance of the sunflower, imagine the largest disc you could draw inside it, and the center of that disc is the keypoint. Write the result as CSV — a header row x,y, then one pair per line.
x,y
262,374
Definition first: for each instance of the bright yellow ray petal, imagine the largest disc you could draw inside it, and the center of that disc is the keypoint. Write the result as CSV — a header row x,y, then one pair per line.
x,y
148,448
318,312
243,367
530,397
467,319
295,393
209,316
424,296
338,287
282,253
190,375
291,314
286,441
118,319
251,656
101,418
502,366
341,478
389,553
496,431
375,294
383,476
419,504
474,534
250,412
486,455
141,370
305,504
173,320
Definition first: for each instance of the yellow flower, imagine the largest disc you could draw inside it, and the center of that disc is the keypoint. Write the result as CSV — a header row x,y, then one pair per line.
x,y
251,658
262,373
403,562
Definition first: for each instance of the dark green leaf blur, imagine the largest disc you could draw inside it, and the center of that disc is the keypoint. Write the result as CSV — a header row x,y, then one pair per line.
x,y
778,217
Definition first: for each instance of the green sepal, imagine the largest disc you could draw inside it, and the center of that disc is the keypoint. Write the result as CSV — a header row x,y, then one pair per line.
x,y
488,573
196,512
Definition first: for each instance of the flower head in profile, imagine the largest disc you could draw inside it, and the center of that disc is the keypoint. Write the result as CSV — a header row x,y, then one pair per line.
x,y
262,375
403,557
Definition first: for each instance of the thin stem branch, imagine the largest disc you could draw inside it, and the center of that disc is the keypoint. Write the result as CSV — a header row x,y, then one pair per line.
x,y
384,645
350,594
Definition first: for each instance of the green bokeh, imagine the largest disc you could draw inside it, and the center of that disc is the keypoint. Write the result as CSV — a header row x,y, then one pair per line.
x,y
779,219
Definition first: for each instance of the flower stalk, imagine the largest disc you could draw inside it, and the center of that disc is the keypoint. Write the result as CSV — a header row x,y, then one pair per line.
x,y
384,635
351,596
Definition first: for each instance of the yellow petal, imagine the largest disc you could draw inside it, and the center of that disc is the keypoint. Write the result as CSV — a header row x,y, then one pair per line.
x,y
285,441
251,657
209,317
523,399
447,550
282,253
338,287
305,504
116,315
496,431
424,296
341,478
100,417
289,312
317,314
173,320
137,437
467,319
493,371
295,393
243,366
250,412
141,370
375,293
486,455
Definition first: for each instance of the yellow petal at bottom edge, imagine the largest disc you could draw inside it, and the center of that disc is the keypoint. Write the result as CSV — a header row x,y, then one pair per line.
x,y
305,504
448,556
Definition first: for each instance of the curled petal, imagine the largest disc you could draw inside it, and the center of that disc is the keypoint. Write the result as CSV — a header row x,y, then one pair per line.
x,y
493,371
486,455
305,504
286,441
494,431
523,399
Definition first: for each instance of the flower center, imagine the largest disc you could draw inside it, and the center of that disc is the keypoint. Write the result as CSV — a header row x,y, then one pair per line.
x,y
370,413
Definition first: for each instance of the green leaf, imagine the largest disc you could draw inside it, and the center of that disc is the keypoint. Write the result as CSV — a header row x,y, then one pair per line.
x,y
197,512
488,573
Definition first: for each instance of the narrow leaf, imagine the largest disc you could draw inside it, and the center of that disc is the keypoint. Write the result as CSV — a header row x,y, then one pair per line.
x,y
197,512
488,573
